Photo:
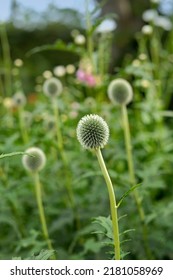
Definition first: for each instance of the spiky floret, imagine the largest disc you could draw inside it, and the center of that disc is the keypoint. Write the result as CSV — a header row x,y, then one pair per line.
x,y
92,132
120,92
36,161
52,87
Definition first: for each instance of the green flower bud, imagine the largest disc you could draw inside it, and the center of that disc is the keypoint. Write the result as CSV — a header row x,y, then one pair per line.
x,y
36,161
92,132
120,92
52,87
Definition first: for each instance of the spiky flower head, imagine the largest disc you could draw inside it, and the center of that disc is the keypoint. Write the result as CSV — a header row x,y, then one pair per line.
x,y
19,99
92,132
36,161
120,92
52,87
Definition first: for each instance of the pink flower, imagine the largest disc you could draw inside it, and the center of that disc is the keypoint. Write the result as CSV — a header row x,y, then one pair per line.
x,y
81,75
88,79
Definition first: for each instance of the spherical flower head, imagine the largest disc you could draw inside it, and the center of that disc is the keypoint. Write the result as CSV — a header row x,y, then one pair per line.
x,y
35,160
52,87
92,132
120,92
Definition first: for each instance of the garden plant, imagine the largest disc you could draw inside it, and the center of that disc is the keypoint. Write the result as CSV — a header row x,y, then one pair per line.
x,y
86,157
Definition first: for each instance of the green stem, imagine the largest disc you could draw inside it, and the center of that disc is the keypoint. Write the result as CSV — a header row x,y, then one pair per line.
x,y
2,92
58,128
65,162
61,149
113,205
135,193
128,145
7,59
41,211
22,126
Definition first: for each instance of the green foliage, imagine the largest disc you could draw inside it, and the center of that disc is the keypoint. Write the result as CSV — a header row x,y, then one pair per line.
x,y
69,221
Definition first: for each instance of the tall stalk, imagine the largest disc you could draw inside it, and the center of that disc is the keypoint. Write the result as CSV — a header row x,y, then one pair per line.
x,y
113,205
41,210
135,193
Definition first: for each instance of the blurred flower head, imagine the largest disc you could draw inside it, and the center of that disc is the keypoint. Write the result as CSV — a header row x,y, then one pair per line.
x,y
19,99
8,103
107,26
47,74
120,92
18,62
149,15
147,29
79,39
52,87
36,161
59,71
163,22
70,69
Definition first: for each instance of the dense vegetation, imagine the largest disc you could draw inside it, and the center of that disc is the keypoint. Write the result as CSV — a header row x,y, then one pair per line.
x,y
74,193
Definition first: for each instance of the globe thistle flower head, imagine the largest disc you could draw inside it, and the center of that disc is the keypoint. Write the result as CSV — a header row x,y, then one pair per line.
x,y
36,161
92,132
120,92
19,99
52,87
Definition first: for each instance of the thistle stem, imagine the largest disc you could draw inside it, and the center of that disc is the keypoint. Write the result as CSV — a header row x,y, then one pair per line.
x,y
113,205
135,193
65,162
41,211
22,126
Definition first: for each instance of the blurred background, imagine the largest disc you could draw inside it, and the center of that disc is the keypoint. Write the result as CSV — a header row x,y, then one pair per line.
x,y
32,23
86,44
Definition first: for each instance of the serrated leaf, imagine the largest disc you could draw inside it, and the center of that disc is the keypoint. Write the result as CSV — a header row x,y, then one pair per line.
x,y
106,223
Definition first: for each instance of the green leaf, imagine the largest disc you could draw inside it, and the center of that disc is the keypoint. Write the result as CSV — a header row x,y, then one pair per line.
x,y
127,193
106,224
43,255
59,45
